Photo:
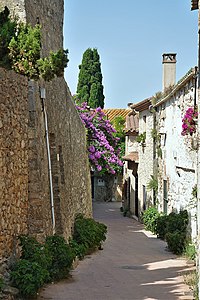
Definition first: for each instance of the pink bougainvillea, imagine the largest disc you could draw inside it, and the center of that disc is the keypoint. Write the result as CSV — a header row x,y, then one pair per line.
x,y
103,150
189,121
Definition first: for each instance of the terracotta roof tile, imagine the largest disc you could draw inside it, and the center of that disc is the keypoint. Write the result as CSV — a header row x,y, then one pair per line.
x,y
111,113
132,156
142,105
132,123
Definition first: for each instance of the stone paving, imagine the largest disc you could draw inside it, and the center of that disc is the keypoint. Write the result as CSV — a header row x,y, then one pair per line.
x,y
134,265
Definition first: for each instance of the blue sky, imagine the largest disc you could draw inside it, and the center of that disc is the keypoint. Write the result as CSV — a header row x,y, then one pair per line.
x,y
131,36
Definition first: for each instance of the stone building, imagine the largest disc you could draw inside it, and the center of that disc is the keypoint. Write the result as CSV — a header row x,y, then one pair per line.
x,y
163,156
176,154
45,177
131,160
139,157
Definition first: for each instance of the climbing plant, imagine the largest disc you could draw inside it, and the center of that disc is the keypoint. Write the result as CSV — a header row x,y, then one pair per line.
x,y
20,48
152,184
141,138
103,146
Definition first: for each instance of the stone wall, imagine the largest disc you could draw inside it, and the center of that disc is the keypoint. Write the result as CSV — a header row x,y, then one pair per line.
x,y
13,160
145,167
69,160
177,166
107,187
25,196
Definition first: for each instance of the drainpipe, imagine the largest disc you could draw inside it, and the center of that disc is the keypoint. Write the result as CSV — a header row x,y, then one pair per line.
x,y
43,96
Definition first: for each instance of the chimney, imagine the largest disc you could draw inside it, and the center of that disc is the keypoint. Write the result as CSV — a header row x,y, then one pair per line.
x,y
169,70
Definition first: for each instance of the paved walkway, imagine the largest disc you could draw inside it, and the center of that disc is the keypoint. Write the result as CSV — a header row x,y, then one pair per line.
x,y
134,265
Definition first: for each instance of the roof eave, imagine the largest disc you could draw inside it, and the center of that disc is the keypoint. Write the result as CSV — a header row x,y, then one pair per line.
x,y
176,88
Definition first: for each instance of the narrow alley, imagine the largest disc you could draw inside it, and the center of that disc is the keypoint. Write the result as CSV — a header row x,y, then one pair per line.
x,y
134,265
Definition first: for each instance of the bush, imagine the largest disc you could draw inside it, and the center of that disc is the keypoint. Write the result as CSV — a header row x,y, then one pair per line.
x,y
33,251
173,228
20,49
161,226
41,263
53,260
79,249
8,29
88,232
149,218
62,256
190,251
28,277
176,241
177,222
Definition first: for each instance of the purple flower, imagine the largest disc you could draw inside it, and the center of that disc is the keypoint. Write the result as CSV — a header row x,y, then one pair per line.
x,y
99,168
92,149
103,148
97,154
91,156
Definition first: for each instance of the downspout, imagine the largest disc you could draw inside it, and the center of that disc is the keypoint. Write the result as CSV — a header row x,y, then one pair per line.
x,y
43,96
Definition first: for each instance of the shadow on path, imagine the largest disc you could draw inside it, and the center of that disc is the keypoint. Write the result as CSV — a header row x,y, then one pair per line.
x,y
134,265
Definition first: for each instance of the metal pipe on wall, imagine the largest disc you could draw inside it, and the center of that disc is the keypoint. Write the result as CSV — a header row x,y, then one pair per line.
x,y
43,96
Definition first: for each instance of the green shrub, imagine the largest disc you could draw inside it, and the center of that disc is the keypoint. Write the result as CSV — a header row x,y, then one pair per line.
x,y
79,249
7,31
173,228
176,241
28,277
88,232
20,49
171,223
141,138
53,65
149,218
177,222
161,226
62,256
33,251
190,251
152,184
53,260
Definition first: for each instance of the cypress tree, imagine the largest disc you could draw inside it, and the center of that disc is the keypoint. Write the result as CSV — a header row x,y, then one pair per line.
x,y
90,88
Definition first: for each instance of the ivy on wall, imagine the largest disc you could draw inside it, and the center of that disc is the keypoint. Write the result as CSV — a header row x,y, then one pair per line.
x,y
20,48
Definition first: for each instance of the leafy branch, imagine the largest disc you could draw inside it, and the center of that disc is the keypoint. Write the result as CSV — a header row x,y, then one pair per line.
x,y
20,48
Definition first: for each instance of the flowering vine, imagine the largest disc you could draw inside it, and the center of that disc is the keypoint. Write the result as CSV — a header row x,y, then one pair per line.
x,y
103,149
189,121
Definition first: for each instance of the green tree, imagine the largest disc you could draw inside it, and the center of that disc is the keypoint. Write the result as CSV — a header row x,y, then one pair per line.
x,y
90,88
119,123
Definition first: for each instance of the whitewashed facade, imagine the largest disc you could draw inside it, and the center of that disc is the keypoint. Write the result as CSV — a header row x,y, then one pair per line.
x,y
177,160
139,160
170,157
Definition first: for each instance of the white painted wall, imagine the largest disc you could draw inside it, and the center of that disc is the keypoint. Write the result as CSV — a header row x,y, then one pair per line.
x,y
177,165
145,168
